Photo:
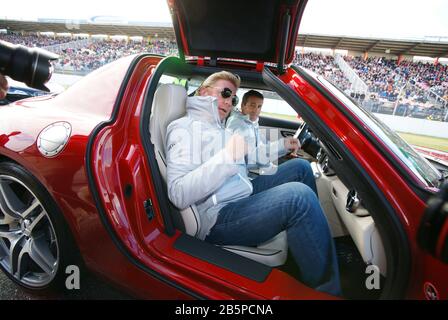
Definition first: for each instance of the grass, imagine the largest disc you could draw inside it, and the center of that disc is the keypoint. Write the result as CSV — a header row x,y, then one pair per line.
x,y
425,141
413,139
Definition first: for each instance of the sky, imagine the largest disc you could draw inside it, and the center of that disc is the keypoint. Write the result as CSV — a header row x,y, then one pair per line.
x,y
400,19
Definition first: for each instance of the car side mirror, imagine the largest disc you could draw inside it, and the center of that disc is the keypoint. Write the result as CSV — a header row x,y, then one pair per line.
x,y
432,234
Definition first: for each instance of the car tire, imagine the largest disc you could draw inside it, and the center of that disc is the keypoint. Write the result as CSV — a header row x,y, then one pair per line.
x,y
36,245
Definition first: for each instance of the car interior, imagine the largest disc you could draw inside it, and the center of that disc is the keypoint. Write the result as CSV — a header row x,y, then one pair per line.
x,y
357,239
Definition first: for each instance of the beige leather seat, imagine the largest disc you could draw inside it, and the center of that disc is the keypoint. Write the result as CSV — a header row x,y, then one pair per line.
x,y
169,105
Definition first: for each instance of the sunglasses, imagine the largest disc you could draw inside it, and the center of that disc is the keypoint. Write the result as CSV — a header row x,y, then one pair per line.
x,y
227,93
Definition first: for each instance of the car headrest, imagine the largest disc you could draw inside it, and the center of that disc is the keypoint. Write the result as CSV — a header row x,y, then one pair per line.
x,y
168,105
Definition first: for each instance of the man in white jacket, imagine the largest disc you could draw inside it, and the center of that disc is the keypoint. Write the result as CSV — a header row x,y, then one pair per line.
x,y
206,166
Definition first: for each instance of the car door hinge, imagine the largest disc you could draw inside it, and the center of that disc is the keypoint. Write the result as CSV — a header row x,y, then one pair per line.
x,y
149,209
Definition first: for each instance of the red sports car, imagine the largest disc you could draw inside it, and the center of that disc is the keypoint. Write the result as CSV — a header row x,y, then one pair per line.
x,y
82,174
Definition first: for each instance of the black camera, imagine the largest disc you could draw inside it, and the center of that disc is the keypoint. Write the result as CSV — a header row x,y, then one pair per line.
x,y
29,65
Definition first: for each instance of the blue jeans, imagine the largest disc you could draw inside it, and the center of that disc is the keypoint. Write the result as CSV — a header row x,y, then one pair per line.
x,y
287,201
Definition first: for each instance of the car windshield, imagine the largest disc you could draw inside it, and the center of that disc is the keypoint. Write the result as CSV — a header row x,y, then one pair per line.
x,y
421,167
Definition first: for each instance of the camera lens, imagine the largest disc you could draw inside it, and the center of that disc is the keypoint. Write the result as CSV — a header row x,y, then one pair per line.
x,y
31,66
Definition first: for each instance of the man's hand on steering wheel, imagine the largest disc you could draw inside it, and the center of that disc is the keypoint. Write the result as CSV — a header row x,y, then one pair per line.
x,y
293,145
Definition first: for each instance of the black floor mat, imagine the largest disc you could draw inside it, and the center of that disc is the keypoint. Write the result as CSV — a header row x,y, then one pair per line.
x,y
352,270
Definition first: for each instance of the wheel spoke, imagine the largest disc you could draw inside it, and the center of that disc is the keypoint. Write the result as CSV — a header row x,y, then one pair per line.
x,y
6,198
14,252
6,218
30,209
9,199
36,221
5,252
21,262
5,214
10,235
41,255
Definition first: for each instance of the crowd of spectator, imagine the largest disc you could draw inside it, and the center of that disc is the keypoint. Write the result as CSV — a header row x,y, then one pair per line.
x,y
100,52
389,78
95,53
408,86
323,65
33,40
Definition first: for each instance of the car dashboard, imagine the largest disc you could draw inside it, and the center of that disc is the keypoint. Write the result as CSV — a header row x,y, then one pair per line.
x,y
343,207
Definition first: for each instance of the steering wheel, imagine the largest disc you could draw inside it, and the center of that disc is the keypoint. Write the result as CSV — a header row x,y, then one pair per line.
x,y
308,142
302,133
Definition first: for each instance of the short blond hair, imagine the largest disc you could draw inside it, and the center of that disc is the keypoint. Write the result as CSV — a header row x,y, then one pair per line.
x,y
221,75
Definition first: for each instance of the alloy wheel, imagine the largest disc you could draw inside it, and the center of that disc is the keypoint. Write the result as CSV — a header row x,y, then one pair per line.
x,y
29,249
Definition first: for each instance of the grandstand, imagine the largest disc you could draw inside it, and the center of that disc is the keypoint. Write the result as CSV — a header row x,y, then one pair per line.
x,y
379,73
417,47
